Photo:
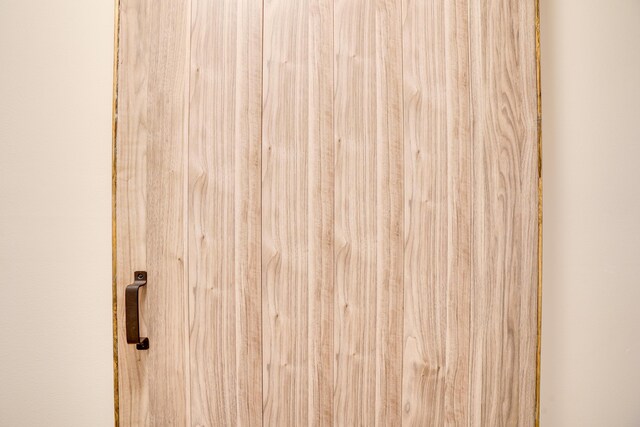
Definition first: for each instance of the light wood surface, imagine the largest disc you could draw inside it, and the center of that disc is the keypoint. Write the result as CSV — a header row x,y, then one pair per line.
x,y
130,201
470,213
368,212
150,201
438,221
297,208
336,202
224,212
505,215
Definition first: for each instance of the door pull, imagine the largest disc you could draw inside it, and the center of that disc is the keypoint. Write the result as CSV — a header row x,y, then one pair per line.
x,y
132,311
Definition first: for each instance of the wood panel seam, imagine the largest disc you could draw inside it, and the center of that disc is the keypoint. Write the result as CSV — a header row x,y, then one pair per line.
x,y
186,195
259,259
402,203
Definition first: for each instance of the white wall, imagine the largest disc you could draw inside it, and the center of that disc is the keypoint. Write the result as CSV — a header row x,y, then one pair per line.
x,y
591,146
55,214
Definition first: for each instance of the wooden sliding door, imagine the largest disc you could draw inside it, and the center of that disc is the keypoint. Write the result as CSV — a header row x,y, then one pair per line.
x,y
336,206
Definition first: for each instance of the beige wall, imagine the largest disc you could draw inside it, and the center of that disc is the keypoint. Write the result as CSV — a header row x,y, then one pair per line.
x,y
55,213
591,143
55,218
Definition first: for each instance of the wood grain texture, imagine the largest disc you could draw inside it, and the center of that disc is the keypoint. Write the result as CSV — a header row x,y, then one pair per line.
x,y
297,207
471,204
150,200
438,161
368,212
337,205
505,224
224,212
130,198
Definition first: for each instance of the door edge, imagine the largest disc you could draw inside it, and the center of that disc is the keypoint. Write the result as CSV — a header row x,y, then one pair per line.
x,y
114,293
539,142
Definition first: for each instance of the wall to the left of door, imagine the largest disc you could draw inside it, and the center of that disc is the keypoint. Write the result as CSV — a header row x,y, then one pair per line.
x,y
55,213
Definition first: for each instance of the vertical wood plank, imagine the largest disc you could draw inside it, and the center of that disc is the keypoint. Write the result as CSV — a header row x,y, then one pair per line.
x,y
130,199
224,212
321,209
368,212
150,197
297,206
438,155
471,198
166,304
505,234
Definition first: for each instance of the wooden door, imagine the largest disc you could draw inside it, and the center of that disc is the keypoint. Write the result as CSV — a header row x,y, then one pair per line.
x,y
337,206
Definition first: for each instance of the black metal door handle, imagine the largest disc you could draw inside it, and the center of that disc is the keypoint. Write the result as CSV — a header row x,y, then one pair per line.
x,y
132,312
